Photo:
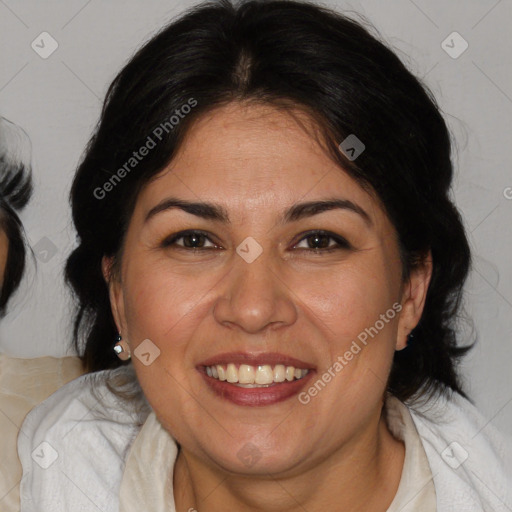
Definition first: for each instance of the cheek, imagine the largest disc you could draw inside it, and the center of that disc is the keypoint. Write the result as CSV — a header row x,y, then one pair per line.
x,y
348,300
346,308
159,306
157,300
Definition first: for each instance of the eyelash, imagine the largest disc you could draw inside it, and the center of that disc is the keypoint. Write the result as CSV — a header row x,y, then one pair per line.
x,y
340,241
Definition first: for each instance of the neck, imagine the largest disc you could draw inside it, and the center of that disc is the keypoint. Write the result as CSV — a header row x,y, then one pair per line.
x,y
373,461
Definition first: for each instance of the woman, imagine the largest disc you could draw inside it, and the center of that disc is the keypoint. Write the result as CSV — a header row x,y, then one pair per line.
x,y
24,383
269,270
15,192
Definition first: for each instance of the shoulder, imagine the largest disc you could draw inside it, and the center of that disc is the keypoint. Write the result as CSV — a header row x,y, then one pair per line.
x,y
470,459
73,445
24,383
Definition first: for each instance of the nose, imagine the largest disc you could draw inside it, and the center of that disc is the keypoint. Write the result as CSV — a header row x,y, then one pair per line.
x,y
254,297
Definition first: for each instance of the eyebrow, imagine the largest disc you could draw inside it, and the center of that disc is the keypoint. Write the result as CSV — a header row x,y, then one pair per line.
x,y
216,212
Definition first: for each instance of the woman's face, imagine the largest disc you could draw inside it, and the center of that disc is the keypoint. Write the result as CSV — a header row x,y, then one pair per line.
x,y
4,253
255,292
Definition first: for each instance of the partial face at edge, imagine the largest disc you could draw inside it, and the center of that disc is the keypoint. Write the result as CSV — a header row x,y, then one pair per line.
x,y
4,253
311,304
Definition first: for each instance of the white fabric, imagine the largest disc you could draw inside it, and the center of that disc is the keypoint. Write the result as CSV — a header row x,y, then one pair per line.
x,y
148,476
416,490
154,453
471,461
24,383
93,437
90,431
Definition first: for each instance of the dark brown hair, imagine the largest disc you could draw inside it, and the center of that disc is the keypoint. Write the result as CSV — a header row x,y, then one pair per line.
x,y
291,55
15,192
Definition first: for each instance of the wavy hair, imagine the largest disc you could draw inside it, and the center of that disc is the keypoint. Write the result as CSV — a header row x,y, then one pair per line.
x,y
15,193
292,55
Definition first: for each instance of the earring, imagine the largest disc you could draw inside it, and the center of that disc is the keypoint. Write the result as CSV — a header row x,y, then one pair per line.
x,y
122,349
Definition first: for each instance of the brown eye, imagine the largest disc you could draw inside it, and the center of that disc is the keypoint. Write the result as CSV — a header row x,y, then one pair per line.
x,y
191,240
319,241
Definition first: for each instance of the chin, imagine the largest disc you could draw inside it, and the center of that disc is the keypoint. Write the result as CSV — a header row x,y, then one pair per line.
x,y
255,459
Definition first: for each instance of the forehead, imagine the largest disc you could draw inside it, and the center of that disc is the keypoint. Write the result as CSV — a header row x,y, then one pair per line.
x,y
255,139
254,156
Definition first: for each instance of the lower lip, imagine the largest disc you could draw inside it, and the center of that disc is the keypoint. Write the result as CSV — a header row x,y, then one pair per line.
x,y
275,393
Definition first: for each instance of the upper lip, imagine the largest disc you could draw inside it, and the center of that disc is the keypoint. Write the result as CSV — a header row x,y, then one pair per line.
x,y
255,359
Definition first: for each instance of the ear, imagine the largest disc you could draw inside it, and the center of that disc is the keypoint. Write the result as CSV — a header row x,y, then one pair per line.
x,y
414,294
115,292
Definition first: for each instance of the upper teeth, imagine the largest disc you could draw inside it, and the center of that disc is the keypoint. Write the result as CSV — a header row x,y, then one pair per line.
x,y
261,374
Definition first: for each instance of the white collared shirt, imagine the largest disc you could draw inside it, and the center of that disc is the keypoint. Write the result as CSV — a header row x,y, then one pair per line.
x,y
84,446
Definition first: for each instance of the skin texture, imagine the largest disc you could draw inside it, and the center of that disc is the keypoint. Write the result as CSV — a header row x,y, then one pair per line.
x,y
4,252
257,161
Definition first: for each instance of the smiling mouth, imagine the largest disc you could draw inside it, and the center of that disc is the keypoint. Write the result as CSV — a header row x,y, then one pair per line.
x,y
254,376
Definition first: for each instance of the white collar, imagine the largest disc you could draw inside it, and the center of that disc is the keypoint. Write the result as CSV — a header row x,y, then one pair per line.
x,y
91,431
148,475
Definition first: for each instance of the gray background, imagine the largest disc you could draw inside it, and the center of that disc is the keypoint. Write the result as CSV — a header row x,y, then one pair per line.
x,y
57,101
